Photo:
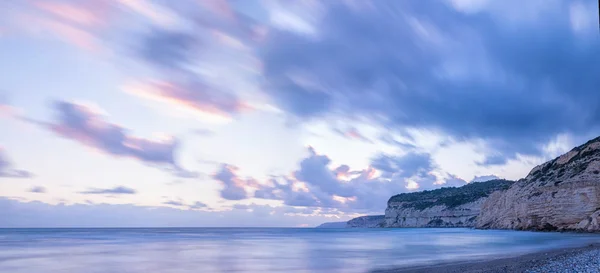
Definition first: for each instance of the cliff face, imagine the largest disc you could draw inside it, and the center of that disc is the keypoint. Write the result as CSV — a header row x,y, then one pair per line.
x,y
446,207
562,194
372,221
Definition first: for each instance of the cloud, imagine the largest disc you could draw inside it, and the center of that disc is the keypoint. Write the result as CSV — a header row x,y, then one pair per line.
x,y
182,205
15,213
193,96
38,189
156,14
316,184
476,74
494,160
7,169
484,178
174,203
389,139
167,49
88,127
352,133
79,14
198,205
233,186
203,132
406,165
80,23
115,190
471,69
190,79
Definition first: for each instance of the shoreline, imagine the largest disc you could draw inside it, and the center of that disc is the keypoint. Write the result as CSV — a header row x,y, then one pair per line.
x,y
557,260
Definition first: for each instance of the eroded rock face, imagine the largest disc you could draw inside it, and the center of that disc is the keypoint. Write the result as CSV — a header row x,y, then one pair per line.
x,y
446,207
439,216
562,194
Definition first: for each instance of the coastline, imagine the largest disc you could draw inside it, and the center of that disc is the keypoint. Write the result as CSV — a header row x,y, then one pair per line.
x,y
573,259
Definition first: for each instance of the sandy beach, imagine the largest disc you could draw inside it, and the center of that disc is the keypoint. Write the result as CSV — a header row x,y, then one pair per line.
x,y
580,259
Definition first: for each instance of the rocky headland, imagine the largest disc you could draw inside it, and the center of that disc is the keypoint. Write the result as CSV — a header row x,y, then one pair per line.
x,y
445,207
562,194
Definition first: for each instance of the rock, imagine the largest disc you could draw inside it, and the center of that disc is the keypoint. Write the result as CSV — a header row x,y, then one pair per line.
x,y
372,221
445,207
561,194
332,225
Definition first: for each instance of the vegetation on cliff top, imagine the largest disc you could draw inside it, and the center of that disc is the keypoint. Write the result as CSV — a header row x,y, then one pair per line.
x,y
450,196
554,173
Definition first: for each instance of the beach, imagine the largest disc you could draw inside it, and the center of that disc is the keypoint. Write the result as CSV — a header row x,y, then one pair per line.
x,y
578,259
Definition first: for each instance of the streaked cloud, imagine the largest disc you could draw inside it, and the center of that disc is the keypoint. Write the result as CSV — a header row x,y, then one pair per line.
x,y
38,189
352,133
8,170
500,83
473,69
157,14
79,14
110,191
194,97
38,214
87,126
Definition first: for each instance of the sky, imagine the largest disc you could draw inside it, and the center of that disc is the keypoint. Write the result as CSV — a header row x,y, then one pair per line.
x,y
280,113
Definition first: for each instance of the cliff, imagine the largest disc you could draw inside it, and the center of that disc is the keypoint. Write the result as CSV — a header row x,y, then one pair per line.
x,y
562,194
445,207
371,221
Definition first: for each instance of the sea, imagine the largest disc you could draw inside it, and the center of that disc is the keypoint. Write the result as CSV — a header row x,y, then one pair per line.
x,y
241,250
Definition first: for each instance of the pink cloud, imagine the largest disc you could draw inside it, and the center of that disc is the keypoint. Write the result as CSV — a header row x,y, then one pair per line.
x,y
69,12
86,126
195,97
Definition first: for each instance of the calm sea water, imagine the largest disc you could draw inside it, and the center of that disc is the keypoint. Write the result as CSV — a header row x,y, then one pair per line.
x,y
185,250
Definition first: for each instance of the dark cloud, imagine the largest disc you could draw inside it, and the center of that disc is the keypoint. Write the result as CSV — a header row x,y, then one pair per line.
x,y
168,49
491,160
7,169
38,189
425,65
110,191
84,125
406,165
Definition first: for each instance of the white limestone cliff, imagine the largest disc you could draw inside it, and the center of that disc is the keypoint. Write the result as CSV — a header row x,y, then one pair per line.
x,y
562,194
446,207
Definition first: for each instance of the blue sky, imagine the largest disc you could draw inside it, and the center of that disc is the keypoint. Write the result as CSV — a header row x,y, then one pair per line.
x,y
280,113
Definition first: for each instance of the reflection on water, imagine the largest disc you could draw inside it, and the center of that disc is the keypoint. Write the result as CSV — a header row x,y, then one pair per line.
x,y
258,249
